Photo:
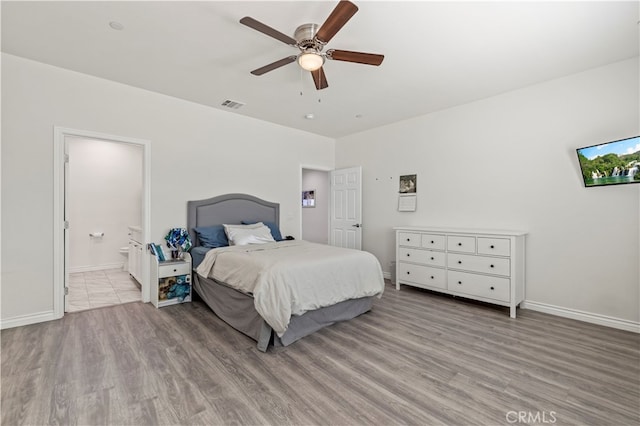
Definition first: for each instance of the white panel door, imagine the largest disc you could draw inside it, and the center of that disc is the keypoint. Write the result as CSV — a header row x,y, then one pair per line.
x,y
345,208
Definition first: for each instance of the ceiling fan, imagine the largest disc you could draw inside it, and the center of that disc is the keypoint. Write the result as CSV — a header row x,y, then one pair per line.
x,y
311,39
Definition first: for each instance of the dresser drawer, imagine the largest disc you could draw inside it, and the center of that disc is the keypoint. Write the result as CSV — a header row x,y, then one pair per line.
x,y
173,268
461,244
433,241
494,246
426,257
409,239
495,288
424,275
487,265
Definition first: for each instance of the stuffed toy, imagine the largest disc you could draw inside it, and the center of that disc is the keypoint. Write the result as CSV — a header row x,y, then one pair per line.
x,y
178,290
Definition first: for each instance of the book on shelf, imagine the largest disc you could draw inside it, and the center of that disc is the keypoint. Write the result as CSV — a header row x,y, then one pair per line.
x,y
160,251
157,251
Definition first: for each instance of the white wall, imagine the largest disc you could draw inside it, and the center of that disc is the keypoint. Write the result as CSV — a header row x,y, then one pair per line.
x,y
315,221
104,194
510,162
507,161
196,152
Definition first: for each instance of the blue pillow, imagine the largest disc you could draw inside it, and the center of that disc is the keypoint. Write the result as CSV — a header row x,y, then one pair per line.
x,y
273,227
212,236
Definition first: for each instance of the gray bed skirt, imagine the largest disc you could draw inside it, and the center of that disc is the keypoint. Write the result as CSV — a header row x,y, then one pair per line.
x,y
237,310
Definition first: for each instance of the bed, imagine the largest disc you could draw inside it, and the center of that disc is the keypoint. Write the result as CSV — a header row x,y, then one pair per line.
x,y
344,292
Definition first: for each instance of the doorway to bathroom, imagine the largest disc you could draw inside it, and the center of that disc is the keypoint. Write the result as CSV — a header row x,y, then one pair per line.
x,y
102,184
103,201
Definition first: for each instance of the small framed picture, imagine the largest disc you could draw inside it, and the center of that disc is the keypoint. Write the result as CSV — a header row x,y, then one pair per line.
x,y
408,184
309,198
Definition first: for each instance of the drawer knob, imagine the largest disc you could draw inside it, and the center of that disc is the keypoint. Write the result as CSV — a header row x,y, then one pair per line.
x,y
432,242
459,282
459,262
175,270
491,266
492,288
408,254
432,277
492,246
408,239
460,244
408,273
432,258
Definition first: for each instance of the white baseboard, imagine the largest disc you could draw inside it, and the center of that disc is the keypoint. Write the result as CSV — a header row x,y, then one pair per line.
x,y
96,268
607,321
27,319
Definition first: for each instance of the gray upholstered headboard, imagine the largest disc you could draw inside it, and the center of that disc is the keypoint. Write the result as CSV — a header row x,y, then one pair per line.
x,y
229,208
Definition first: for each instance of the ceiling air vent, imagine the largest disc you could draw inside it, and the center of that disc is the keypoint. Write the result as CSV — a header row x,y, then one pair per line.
x,y
232,104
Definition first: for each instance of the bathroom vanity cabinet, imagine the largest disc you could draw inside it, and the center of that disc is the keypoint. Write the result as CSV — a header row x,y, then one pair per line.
x,y
135,252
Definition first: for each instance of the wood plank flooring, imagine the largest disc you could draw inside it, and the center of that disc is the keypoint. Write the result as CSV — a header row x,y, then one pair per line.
x,y
417,358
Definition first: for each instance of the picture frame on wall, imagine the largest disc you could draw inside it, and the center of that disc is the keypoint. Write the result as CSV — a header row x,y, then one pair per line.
x,y
408,184
309,198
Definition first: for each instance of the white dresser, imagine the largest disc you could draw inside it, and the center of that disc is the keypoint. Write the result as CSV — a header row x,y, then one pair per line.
x,y
486,265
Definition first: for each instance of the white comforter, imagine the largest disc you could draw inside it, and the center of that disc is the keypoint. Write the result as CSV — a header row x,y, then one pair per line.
x,y
292,277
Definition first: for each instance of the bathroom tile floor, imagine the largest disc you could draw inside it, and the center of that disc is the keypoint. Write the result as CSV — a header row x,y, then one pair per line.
x,y
96,289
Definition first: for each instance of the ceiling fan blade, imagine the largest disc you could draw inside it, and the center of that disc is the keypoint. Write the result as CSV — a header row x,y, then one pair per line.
x,y
319,79
265,29
359,57
274,65
336,20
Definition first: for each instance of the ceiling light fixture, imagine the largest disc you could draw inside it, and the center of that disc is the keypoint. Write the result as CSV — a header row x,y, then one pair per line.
x,y
310,60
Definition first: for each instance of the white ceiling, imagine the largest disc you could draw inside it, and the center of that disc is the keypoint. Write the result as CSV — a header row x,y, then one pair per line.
x,y
437,54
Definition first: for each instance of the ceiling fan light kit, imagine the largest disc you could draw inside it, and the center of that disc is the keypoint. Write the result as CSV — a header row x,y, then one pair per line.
x,y
310,39
310,61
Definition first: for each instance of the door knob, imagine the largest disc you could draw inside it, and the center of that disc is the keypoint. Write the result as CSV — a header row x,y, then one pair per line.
x,y
357,225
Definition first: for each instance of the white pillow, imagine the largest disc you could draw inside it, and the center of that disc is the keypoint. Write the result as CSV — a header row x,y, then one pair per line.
x,y
240,235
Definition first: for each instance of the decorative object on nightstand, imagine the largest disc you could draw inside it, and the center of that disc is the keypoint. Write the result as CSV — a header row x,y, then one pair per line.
x,y
486,265
178,241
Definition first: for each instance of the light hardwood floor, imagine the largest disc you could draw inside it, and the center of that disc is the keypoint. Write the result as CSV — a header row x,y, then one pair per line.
x,y
417,358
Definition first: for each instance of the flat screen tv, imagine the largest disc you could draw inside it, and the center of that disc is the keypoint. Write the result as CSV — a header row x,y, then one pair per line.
x,y
611,163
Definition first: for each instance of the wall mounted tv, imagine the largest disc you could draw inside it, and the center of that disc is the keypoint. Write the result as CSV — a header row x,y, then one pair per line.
x,y
611,163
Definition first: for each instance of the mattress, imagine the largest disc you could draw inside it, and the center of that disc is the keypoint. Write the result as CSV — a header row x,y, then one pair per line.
x,y
198,254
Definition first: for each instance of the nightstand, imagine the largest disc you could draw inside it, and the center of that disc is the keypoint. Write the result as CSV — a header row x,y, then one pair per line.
x,y
171,281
